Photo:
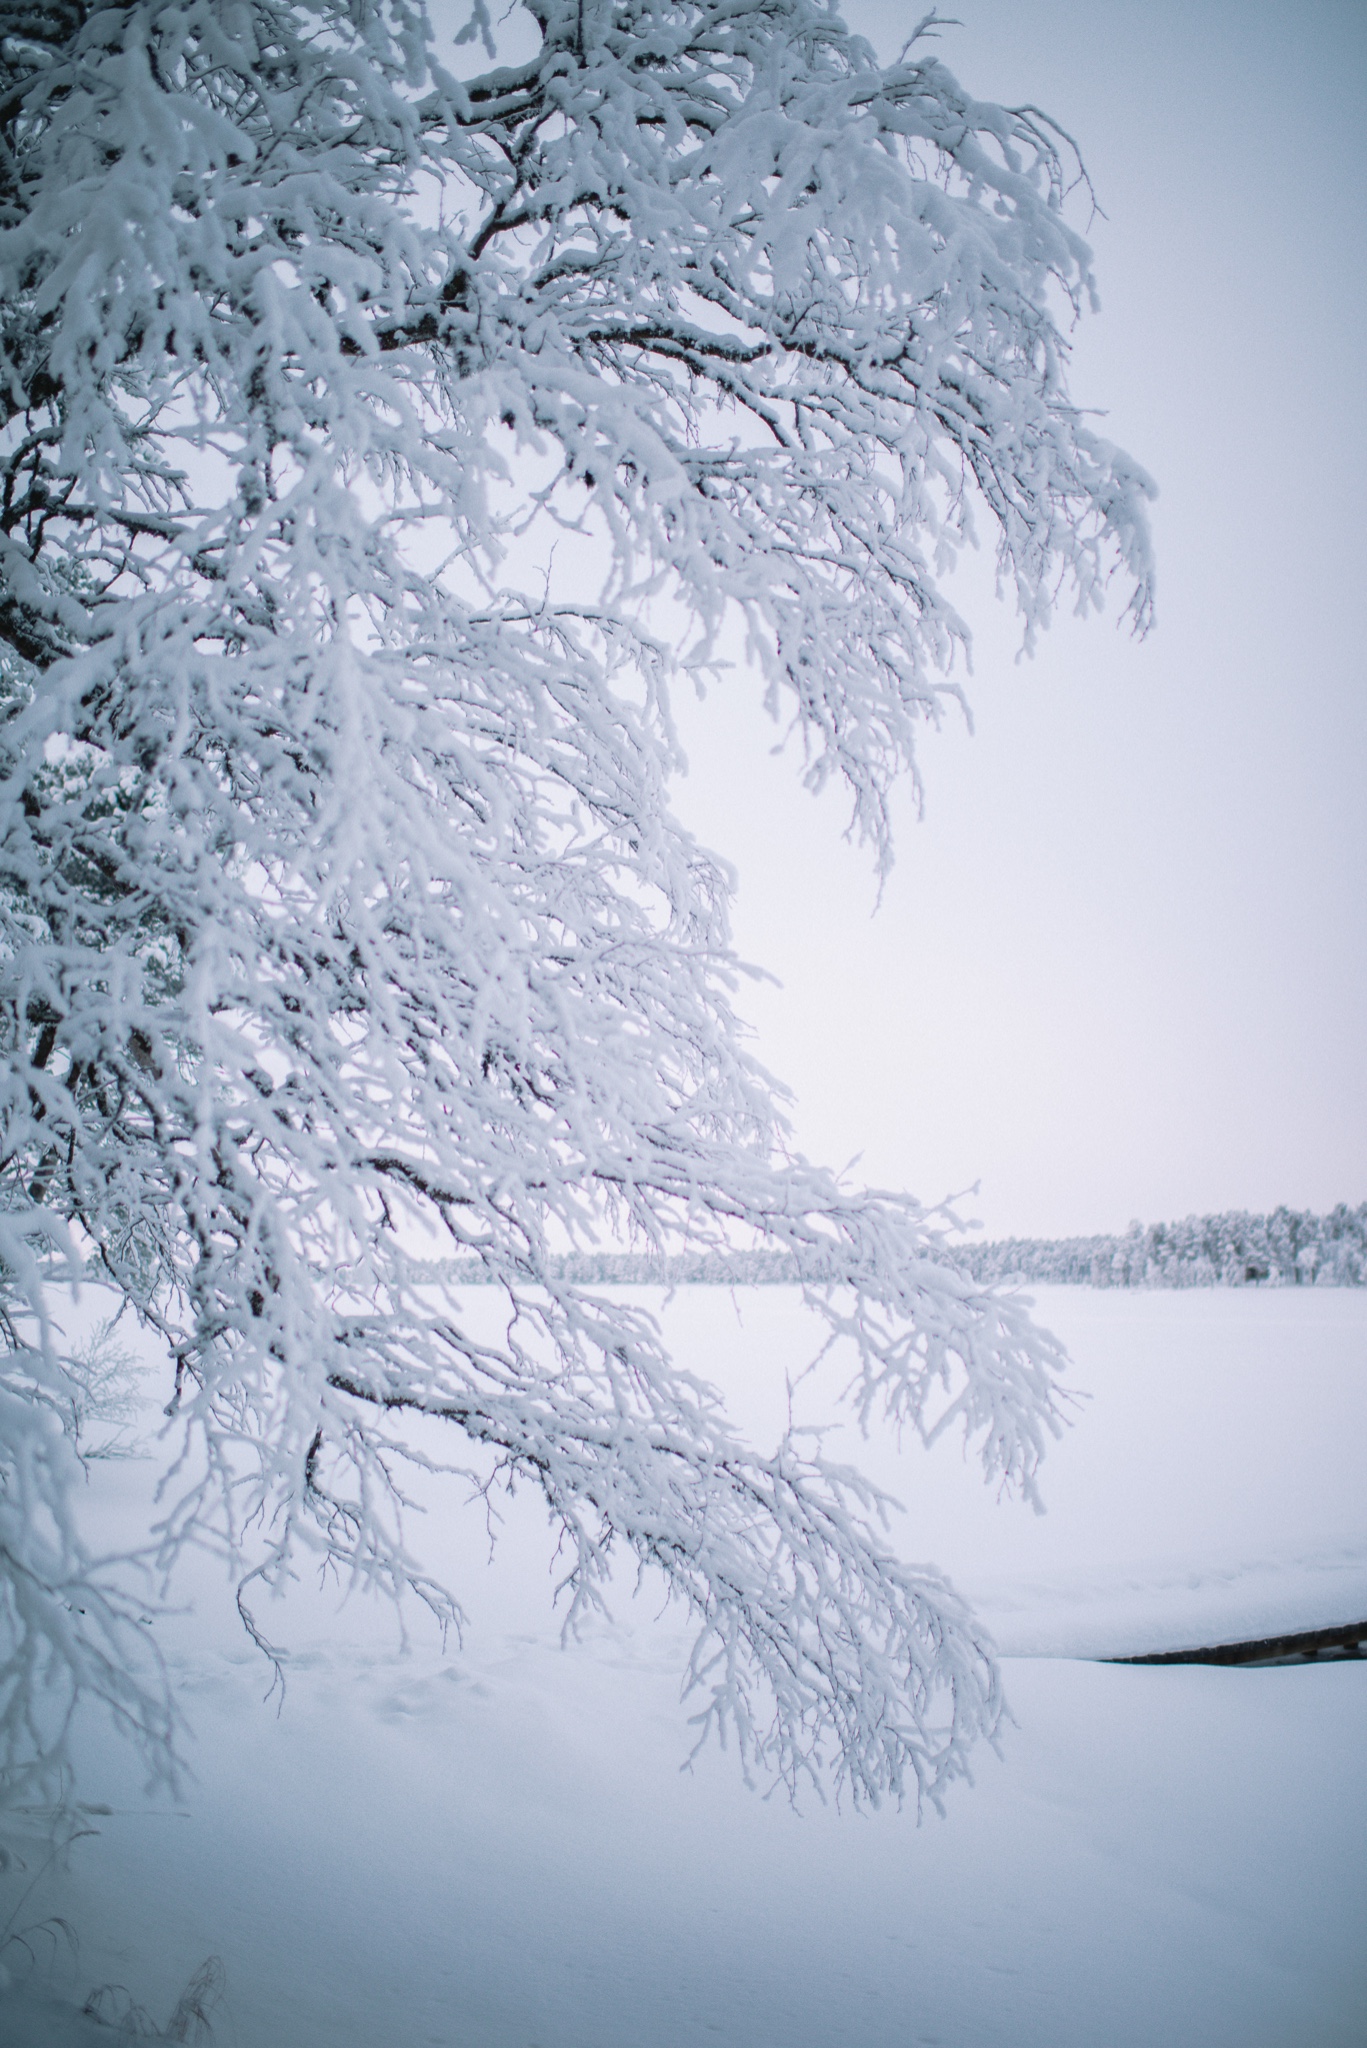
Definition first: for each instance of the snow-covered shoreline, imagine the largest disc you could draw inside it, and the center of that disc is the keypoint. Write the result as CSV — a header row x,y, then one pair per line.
x,y
496,1847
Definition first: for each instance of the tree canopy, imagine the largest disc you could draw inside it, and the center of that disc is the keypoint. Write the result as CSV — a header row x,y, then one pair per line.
x,y
382,446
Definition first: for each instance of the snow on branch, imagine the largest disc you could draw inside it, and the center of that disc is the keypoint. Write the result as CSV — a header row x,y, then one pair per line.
x,y
379,445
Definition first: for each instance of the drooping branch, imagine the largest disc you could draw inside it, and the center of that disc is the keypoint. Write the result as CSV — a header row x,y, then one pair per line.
x,y
342,908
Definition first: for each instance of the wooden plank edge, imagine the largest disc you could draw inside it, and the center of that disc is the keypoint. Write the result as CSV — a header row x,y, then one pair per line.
x,y
1326,1645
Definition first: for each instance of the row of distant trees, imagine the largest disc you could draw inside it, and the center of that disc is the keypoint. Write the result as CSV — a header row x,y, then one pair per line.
x,y
1289,1248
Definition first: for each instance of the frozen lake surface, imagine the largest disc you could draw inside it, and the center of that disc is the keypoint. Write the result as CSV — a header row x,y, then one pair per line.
x,y
497,1848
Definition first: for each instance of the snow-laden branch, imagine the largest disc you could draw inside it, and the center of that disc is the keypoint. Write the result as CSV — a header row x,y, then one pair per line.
x,y
341,904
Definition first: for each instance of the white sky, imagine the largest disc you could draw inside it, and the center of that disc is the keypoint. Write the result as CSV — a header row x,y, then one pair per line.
x,y
1120,968
1119,971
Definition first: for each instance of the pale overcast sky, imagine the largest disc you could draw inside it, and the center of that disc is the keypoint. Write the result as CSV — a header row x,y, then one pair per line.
x,y
1120,969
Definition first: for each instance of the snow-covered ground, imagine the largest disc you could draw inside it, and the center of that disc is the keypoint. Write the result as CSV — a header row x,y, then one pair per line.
x,y
498,1849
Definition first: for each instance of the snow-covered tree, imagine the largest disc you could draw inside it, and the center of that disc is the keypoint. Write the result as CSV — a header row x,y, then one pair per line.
x,y
381,445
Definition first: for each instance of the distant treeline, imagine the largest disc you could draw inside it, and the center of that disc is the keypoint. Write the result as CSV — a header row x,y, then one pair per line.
x,y
655,1269
1289,1248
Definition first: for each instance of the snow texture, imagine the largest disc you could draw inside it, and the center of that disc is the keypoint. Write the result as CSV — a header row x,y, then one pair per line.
x,y
497,1848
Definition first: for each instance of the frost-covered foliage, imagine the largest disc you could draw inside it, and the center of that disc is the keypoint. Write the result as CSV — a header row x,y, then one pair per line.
x,y
71,1626
378,444
1289,1248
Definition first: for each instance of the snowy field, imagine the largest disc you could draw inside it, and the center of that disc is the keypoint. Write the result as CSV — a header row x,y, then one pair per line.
x,y
498,1849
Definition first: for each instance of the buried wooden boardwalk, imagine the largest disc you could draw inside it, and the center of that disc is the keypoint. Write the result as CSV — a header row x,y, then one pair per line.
x,y
1310,1646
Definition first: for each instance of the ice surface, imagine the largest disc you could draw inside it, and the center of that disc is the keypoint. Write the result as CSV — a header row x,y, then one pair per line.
x,y
498,1849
